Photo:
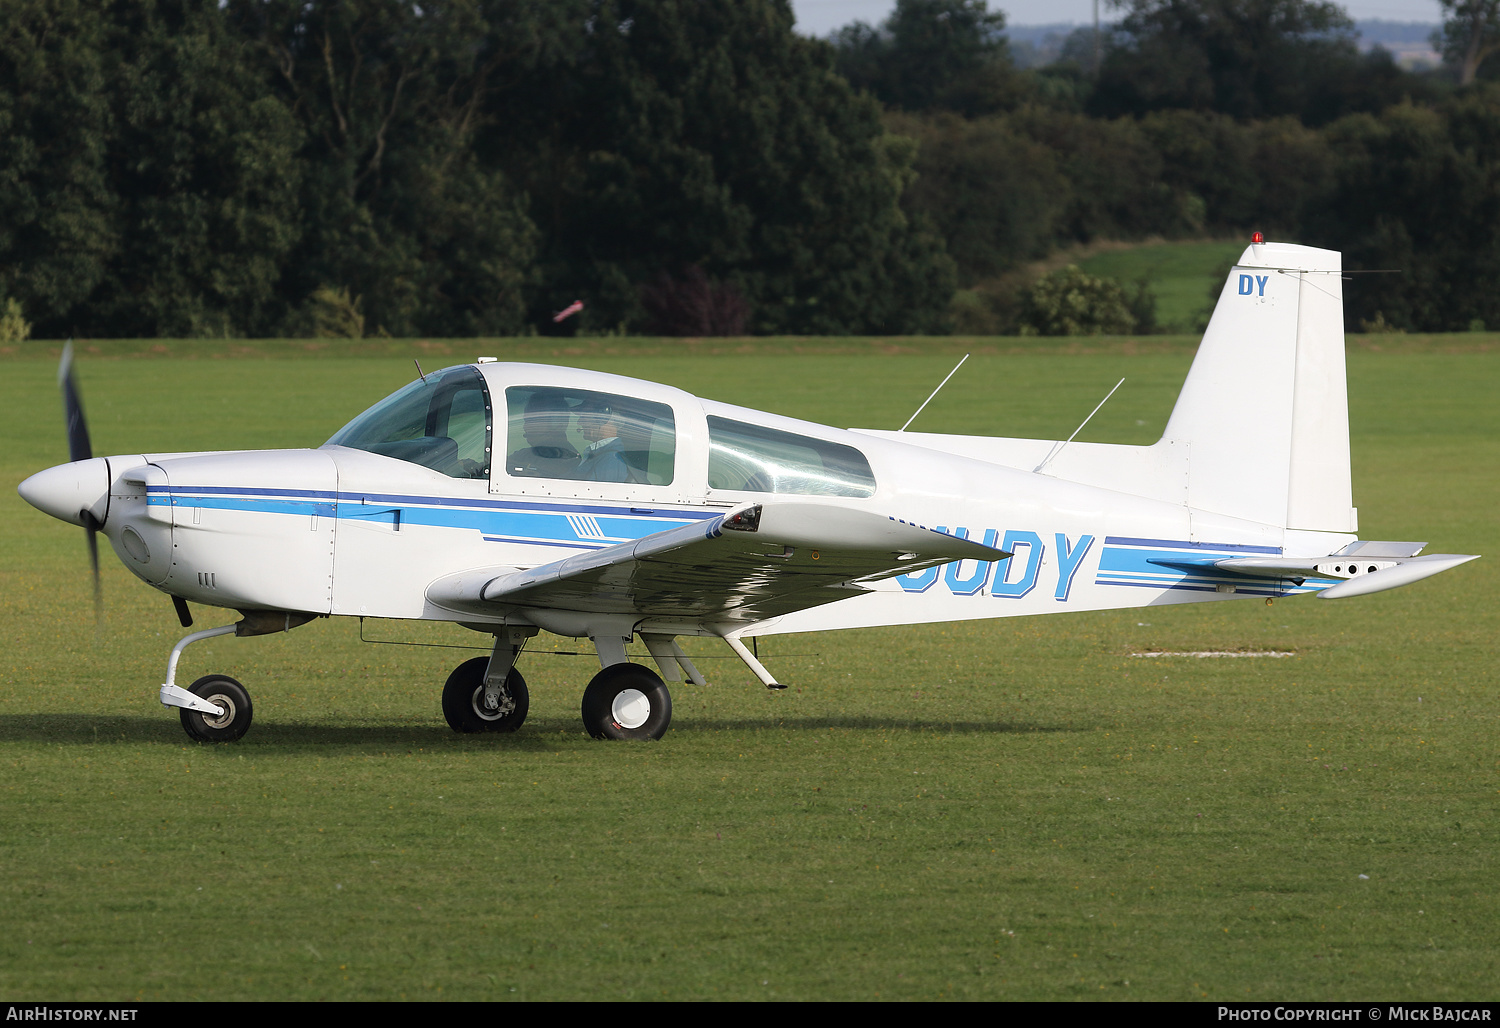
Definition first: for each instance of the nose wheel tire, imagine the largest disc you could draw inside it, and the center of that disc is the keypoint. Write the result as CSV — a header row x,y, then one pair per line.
x,y
627,701
231,697
464,701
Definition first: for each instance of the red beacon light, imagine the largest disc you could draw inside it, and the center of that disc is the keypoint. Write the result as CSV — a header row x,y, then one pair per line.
x,y
1257,238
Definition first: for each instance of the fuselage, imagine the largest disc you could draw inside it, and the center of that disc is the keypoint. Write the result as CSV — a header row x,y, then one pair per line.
x,y
365,524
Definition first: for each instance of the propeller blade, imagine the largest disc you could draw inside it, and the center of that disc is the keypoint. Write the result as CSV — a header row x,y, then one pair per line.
x,y
79,447
91,526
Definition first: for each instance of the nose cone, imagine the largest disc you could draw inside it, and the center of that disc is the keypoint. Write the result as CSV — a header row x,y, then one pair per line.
x,y
69,489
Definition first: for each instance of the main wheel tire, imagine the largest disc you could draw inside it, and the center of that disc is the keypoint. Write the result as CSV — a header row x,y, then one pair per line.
x,y
463,700
229,695
627,701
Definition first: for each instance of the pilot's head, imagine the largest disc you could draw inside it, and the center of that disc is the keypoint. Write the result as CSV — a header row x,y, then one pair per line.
x,y
545,419
596,421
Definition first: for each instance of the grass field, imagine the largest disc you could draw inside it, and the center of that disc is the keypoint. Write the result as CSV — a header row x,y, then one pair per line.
x,y
1181,275
1016,809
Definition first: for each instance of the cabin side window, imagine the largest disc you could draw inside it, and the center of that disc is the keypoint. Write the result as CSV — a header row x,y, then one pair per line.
x,y
441,422
582,436
756,459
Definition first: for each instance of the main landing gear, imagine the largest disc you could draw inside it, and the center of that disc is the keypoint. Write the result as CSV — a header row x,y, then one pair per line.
x,y
485,694
623,701
471,703
627,701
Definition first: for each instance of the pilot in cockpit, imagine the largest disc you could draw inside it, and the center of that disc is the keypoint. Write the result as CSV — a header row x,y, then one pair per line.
x,y
548,453
604,458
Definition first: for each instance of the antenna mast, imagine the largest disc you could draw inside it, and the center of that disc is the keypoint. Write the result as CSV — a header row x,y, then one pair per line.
x,y
936,391
1059,447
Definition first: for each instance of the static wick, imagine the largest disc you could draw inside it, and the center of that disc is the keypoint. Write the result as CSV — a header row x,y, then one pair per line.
x,y
568,311
935,391
1059,447
419,370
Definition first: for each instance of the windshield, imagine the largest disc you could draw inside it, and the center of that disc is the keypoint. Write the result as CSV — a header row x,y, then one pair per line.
x,y
442,423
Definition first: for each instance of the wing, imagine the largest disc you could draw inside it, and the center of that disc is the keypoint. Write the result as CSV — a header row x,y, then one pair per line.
x,y
751,564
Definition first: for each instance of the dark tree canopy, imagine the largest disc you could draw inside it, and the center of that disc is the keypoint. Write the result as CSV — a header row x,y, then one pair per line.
x,y
1470,35
59,217
1244,58
398,210
929,54
148,183
685,135
1417,191
995,195
452,167
461,167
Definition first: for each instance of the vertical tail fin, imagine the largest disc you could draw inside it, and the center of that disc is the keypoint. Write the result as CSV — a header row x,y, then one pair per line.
x,y
1260,431
1264,413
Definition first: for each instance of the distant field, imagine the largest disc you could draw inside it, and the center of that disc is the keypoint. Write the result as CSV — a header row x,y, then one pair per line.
x,y
1182,275
1018,809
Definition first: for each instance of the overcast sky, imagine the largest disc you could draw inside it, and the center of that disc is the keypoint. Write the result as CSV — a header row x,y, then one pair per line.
x,y
819,17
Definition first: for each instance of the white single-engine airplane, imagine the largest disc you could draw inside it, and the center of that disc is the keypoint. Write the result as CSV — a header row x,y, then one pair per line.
x,y
512,498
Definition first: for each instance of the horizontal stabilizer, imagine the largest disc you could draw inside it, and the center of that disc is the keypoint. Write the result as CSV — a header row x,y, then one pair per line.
x,y
1377,566
1379,549
1413,570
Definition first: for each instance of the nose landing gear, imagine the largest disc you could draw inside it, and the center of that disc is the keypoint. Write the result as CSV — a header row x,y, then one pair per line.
x,y
216,708
231,698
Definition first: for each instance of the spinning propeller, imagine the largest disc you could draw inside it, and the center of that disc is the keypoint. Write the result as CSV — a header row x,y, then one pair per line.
x,y
79,448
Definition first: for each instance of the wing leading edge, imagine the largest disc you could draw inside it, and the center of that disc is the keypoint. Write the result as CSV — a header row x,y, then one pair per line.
x,y
754,563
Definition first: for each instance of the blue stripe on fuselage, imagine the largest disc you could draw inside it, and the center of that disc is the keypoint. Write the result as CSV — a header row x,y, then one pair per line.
x,y
285,504
1129,562
497,520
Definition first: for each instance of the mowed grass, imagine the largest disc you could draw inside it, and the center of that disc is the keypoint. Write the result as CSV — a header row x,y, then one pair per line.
x,y
1181,275
1016,809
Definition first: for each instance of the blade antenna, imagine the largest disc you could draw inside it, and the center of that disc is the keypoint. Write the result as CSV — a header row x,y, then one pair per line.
x,y
419,370
935,391
1059,447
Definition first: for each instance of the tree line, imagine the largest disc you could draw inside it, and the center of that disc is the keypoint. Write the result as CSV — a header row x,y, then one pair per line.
x,y
1201,118
461,167
454,167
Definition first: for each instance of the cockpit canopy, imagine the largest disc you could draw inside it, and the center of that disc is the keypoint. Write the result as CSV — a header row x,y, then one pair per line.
x,y
441,421
562,431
